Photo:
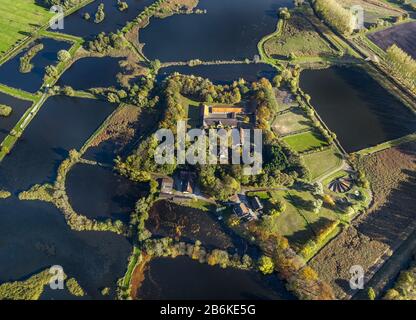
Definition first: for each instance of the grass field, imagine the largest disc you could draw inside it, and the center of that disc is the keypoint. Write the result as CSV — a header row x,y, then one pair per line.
x,y
298,222
298,37
305,141
19,18
323,162
193,107
291,121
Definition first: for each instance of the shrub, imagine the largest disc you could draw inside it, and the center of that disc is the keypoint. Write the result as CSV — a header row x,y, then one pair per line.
x,y
266,265
5,110
63,55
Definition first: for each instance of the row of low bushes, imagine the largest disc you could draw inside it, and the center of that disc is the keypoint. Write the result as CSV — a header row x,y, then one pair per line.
x,y
402,65
166,247
319,238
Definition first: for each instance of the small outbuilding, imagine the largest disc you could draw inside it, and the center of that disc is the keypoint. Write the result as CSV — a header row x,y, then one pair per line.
x,y
166,185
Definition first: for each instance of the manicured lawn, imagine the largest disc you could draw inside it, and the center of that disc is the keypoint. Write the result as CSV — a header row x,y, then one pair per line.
x,y
19,18
305,141
322,162
291,121
194,113
298,222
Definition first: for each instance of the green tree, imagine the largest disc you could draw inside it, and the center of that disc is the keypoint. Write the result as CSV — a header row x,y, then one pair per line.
x,y
371,294
266,265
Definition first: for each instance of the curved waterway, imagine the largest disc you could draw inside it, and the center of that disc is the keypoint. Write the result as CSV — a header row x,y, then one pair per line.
x,y
223,74
356,107
231,29
32,81
185,279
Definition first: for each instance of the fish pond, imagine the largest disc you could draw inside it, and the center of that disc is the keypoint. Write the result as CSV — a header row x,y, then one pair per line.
x,y
62,124
33,80
97,192
34,236
223,74
356,107
185,279
229,29
90,73
114,19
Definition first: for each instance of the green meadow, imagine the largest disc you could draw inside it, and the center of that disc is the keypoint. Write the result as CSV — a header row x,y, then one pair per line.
x,y
18,19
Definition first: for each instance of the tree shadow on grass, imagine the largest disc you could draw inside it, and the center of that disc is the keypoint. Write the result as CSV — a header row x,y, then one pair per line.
x,y
299,202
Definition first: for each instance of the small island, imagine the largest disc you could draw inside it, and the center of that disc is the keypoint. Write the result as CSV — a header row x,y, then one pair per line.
x,y
25,61
5,110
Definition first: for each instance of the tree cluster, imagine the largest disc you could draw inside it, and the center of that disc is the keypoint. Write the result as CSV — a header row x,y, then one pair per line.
x,y
335,15
402,65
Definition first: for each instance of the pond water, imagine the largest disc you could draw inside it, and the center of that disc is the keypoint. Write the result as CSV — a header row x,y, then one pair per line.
x,y
90,73
50,294
98,192
183,278
230,30
356,107
167,219
32,81
63,123
114,20
35,236
105,152
222,74
19,108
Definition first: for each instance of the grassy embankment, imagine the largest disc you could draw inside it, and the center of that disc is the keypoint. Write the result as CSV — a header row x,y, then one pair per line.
x,y
298,40
303,39
387,145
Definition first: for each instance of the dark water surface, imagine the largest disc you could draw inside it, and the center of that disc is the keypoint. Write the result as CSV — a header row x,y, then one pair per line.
x,y
90,73
98,192
32,81
222,74
356,107
114,20
186,279
19,108
35,236
62,124
230,30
